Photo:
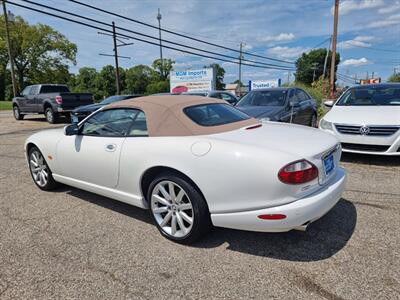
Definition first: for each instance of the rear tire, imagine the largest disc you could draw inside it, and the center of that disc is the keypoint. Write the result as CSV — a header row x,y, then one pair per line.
x,y
40,171
17,113
51,116
178,209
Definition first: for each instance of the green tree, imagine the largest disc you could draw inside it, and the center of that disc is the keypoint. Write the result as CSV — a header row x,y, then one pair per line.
x,y
39,52
314,59
158,87
84,81
105,82
220,73
394,78
138,78
164,68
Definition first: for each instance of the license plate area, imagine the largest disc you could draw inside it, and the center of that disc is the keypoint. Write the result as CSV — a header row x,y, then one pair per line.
x,y
329,164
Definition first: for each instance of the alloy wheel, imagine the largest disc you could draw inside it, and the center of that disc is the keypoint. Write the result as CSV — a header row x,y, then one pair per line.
x,y
16,112
38,168
172,209
49,116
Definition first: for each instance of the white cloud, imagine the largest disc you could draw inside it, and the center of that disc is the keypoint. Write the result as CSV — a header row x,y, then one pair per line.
x,y
355,62
287,52
358,41
389,21
348,6
390,9
282,37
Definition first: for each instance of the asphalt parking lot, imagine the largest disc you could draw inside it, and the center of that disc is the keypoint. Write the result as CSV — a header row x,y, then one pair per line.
x,y
74,244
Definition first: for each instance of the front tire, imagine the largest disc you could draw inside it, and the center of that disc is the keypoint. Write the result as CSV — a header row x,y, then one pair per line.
x,y
50,115
40,171
17,113
178,208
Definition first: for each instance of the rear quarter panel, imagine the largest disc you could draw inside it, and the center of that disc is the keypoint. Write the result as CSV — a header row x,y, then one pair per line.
x,y
232,177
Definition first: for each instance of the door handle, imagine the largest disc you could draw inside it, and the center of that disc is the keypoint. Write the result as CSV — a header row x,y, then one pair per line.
x,y
111,147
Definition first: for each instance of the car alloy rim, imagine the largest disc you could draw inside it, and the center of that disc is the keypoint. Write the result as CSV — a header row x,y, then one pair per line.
x,y
16,112
38,168
172,209
49,115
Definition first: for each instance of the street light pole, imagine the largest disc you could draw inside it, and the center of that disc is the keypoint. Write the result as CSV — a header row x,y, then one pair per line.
x,y
159,34
14,85
333,60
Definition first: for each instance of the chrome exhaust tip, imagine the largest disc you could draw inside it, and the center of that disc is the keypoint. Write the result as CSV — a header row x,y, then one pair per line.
x,y
302,227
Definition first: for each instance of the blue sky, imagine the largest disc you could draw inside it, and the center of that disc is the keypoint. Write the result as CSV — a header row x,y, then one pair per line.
x,y
281,29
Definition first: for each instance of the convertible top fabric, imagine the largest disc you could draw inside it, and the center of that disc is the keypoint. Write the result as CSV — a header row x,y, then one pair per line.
x,y
165,116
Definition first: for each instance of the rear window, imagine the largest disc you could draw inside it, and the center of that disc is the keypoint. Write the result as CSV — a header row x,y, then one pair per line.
x,y
214,114
49,89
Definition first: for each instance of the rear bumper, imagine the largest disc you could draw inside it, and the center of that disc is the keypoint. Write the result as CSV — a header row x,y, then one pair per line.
x,y
297,213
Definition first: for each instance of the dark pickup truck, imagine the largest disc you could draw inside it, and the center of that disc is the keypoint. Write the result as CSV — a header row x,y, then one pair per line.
x,y
52,100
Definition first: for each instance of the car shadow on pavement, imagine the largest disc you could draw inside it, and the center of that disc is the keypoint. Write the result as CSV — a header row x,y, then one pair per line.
x,y
108,203
366,159
323,238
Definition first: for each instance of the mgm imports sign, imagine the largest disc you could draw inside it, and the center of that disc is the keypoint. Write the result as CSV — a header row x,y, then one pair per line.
x,y
201,80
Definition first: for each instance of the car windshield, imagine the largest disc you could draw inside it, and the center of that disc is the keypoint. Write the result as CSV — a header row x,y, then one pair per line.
x,y
214,114
371,96
114,99
195,94
264,98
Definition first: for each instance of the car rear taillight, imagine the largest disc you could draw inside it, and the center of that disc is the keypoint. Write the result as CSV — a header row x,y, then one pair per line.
x,y
59,99
298,172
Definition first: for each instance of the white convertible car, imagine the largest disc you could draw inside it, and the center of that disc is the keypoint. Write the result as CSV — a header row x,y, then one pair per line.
x,y
366,119
194,162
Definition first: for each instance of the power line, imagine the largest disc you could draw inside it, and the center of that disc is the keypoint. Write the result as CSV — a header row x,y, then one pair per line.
x,y
323,42
155,38
145,41
179,34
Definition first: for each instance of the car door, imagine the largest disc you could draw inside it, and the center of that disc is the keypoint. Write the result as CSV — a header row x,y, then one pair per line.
x,y
93,155
31,98
23,98
305,109
294,107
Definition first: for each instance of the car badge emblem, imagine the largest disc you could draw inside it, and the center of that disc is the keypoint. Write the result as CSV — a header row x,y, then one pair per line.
x,y
364,130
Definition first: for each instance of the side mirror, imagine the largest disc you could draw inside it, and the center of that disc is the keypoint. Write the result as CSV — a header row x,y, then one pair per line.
x,y
329,103
71,129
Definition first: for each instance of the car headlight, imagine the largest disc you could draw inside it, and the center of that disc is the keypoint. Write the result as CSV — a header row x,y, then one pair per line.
x,y
325,125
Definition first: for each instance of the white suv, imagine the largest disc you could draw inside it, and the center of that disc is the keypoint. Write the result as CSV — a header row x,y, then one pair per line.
x,y
366,119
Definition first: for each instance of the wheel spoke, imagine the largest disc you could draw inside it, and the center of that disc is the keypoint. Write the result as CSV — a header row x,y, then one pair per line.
x,y
160,199
185,206
180,196
164,192
171,191
34,163
159,210
180,223
42,180
166,219
186,217
45,174
173,225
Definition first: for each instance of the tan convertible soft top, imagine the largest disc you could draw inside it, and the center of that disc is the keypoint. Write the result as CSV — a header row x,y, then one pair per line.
x,y
165,116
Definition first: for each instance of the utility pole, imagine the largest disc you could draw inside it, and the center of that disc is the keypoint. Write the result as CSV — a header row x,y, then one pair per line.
x,y
159,34
326,57
240,70
288,77
115,55
117,79
333,60
372,75
314,67
14,84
